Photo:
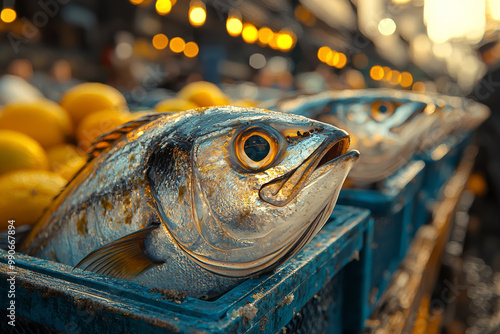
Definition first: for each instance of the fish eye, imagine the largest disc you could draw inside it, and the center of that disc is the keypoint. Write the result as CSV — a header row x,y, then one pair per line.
x,y
257,147
381,110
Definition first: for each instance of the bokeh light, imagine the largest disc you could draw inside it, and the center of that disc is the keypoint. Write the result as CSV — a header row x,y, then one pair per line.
x,y
284,41
304,15
197,15
377,73
341,61
323,53
387,73
250,33
360,61
177,45
191,49
265,35
163,7
234,26
406,79
124,50
257,61
395,77
8,15
160,41
387,27
419,87
333,58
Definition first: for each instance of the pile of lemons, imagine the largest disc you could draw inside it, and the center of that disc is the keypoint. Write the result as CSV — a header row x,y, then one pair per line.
x,y
43,144
197,95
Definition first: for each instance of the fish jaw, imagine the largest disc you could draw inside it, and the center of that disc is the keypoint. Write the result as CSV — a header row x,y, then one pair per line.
x,y
281,191
323,187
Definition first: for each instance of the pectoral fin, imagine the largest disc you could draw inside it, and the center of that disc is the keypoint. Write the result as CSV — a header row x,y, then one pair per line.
x,y
124,258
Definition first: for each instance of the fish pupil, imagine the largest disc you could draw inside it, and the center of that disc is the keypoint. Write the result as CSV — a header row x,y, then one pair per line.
x,y
382,109
256,148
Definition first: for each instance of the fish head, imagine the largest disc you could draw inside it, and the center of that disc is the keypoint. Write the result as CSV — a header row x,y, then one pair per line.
x,y
386,126
262,185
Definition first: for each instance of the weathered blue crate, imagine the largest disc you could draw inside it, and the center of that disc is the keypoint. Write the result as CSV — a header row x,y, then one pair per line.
x,y
393,208
441,162
303,293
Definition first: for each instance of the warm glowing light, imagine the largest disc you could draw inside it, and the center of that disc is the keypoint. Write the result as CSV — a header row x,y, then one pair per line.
x,y
449,19
273,44
191,49
163,7
342,60
387,26
8,15
197,15
406,79
323,52
395,77
493,9
377,73
265,35
284,41
234,26
333,58
177,44
387,73
400,1
442,50
136,2
419,87
250,33
304,15
329,60
160,41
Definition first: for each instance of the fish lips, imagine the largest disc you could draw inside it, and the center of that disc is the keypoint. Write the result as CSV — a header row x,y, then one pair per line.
x,y
332,153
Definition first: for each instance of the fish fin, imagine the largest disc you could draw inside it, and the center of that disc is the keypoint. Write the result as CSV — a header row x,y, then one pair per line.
x,y
109,138
124,258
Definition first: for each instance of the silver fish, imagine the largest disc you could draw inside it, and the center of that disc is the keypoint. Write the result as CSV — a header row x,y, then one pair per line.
x,y
456,114
198,200
386,126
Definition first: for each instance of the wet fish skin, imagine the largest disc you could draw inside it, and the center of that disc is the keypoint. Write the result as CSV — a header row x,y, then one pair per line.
x,y
419,122
386,142
197,218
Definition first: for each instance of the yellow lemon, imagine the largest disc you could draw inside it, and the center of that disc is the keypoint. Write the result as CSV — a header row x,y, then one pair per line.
x,y
65,160
204,94
43,120
19,151
174,105
98,123
26,194
90,97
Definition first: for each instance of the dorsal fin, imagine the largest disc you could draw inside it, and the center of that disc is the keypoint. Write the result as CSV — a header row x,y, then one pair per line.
x,y
109,138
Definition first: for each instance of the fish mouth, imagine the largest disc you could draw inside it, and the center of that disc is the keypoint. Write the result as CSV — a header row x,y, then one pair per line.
x,y
331,153
281,191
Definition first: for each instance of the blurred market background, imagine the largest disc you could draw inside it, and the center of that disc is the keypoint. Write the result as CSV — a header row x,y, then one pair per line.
x,y
98,64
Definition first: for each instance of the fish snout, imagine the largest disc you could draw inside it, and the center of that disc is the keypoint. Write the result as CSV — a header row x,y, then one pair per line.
x,y
281,191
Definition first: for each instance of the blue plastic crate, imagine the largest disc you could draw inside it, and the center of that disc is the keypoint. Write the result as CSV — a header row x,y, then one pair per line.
x,y
305,293
441,162
393,208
